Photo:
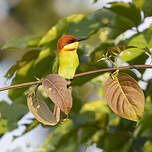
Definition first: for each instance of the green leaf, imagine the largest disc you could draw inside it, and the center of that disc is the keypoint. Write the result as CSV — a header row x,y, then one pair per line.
x,y
56,31
91,24
72,145
99,51
147,146
43,64
79,25
18,43
138,41
27,57
119,25
141,41
55,66
88,67
24,74
124,19
138,3
12,114
131,54
3,126
145,6
141,59
55,138
127,10
96,106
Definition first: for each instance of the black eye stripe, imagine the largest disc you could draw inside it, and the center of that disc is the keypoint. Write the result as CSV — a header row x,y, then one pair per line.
x,y
71,41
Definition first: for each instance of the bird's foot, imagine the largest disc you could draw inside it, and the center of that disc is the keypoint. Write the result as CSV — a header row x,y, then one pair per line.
x,y
69,83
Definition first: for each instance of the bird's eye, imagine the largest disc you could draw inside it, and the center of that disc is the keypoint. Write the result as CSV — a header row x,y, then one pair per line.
x,y
71,41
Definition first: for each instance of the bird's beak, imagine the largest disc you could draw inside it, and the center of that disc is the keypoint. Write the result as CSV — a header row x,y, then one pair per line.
x,y
73,46
81,39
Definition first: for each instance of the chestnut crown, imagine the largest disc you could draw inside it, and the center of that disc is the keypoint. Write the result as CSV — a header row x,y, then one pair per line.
x,y
64,40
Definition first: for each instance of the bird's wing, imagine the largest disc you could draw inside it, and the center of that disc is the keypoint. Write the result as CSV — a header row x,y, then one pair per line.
x,y
55,65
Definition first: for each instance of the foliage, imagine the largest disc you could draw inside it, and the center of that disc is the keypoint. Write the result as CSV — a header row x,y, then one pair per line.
x,y
127,98
89,122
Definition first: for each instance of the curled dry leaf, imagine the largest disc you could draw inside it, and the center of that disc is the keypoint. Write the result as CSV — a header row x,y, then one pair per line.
x,y
56,88
40,109
125,97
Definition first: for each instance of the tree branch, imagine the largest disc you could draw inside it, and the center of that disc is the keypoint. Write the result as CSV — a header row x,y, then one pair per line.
x,y
82,74
21,85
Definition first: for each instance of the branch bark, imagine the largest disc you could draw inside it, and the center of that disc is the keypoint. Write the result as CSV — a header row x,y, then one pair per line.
x,y
82,74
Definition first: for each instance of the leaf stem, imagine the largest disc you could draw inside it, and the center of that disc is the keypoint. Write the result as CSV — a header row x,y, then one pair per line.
x,y
82,74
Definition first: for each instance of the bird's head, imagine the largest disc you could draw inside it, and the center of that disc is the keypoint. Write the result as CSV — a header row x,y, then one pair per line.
x,y
68,43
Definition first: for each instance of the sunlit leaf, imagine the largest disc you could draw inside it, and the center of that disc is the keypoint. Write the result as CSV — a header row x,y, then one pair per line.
x,y
96,106
56,31
147,146
3,126
126,97
19,43
145,6
89,25
27,57
44,62
97,110
138,3
138,41
56,88
131,54
24,74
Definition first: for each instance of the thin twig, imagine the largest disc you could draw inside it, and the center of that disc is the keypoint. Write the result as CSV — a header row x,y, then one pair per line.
x,y
21,85
112,69
82,74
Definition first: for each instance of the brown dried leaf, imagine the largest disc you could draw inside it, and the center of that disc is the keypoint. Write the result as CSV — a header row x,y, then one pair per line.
x,y
56,88
125,97
40,109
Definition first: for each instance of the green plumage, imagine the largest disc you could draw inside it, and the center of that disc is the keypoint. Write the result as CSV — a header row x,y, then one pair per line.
x,y
66,64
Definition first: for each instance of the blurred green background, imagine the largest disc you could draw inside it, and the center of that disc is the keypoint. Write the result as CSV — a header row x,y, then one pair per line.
x,y
91,122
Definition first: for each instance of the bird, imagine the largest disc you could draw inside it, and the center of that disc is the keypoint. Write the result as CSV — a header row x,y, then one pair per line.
x,y
66,61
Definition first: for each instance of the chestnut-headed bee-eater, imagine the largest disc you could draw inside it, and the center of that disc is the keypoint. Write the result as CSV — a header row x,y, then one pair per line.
x,y
67,59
